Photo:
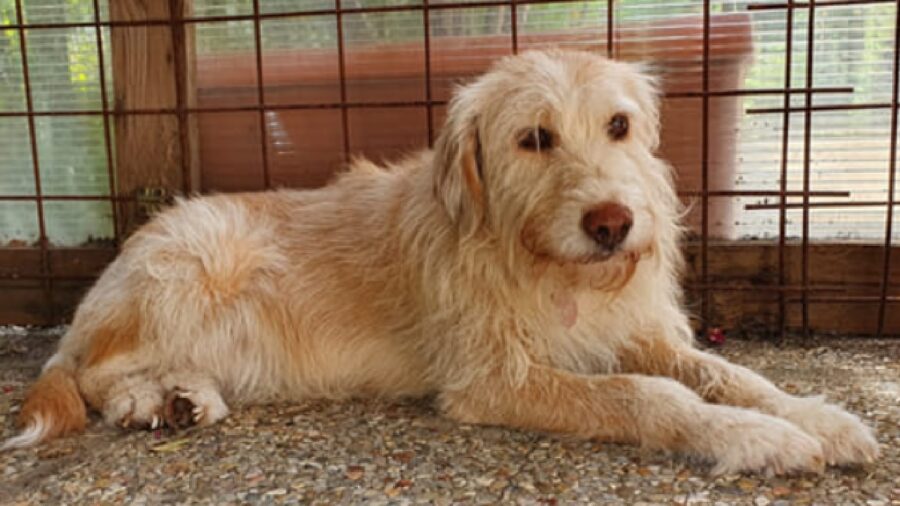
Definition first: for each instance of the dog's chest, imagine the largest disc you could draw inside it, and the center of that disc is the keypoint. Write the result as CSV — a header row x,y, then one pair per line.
x,y
580,332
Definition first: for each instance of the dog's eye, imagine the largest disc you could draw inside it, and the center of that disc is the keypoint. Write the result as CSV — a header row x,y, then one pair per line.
x,y
536,139
618,127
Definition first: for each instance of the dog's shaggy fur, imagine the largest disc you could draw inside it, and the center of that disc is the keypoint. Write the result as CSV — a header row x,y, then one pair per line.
x,y
470,272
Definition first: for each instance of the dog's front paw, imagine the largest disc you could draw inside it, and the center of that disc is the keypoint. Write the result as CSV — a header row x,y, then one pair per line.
x,y
844,437
744,440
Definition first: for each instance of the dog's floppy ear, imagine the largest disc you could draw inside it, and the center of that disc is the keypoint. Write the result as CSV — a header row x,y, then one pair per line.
x,y
458,166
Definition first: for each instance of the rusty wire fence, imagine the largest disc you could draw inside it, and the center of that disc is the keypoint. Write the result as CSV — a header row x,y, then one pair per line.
x,y
775,278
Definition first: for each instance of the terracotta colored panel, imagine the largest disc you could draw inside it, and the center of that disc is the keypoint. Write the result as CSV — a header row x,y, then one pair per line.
x,y
381,134
230,151
305,147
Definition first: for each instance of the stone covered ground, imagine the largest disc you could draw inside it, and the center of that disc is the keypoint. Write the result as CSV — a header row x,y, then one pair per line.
x,y
378,452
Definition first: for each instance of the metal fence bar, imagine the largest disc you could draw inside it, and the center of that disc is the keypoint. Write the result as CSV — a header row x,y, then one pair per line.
x,y
686,193
762,193
375,9
514,25
807,159
44,243
846,299
799,205
179,38
284,14
261,96
415,103
823,107
805,5
342,74
785,142
107,131
758,92
610,29
429,108
804,293
892,175
704,167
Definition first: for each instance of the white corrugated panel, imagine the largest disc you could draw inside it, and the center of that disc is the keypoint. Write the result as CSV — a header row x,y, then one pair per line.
x,y
64,70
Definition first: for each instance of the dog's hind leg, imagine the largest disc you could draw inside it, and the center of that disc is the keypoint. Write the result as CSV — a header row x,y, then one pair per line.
x,y
192,399
129,395
125,391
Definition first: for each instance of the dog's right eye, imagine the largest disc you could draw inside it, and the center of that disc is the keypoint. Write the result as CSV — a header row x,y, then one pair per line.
x,y
536,139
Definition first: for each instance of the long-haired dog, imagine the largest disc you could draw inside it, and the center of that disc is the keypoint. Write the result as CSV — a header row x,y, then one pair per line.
x,y
524,272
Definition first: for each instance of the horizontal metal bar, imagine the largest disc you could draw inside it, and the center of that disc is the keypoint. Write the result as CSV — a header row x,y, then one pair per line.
x,y
848,299
117,198
822,299
724,193
823,107
737,193
365,105
806,5
280,15
236,108
799,205
759,91
768,288
761,193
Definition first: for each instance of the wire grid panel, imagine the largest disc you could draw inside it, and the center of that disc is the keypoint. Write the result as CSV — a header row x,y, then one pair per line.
x,y
481,30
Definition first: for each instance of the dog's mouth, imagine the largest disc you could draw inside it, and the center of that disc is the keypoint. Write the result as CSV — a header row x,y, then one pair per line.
x,y
607,271
594,258
599,255
602,255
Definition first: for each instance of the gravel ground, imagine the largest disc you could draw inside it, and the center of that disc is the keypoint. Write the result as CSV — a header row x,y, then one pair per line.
x,y
403,452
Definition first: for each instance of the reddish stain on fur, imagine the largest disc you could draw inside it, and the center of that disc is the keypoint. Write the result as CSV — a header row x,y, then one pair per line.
x,y
567,307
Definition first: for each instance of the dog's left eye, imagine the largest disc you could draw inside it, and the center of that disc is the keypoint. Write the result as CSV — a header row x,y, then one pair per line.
x,y
618,127
536,139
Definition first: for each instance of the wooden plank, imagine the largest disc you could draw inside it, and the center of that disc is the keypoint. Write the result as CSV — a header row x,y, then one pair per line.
x,y
24,302
64,262
148,70
738,269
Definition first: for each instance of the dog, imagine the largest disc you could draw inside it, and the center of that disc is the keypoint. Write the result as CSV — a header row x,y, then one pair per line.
x,y
524,272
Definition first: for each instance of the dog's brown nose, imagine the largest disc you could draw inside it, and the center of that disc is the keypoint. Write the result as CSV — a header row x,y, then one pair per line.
x,y
607,223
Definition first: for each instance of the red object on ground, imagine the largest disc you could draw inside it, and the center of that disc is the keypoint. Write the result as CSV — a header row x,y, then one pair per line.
x,y
715,335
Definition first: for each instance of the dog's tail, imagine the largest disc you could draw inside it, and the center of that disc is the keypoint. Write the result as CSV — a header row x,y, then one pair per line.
x,y
53,407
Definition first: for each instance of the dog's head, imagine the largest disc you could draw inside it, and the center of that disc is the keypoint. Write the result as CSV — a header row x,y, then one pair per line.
x,y
552,152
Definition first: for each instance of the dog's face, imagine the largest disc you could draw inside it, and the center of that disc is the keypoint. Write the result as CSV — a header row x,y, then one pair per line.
x,y
553,151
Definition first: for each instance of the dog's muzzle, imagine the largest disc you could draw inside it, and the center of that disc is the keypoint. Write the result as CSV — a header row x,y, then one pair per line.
x,y
608,224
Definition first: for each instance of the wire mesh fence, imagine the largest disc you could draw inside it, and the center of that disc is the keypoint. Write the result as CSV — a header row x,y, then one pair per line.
x,y
780,119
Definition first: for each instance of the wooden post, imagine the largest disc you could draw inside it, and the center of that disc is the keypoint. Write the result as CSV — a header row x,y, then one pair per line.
x,y
153,68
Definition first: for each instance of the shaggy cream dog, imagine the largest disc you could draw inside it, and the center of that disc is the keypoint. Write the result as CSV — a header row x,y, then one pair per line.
x,y
525,272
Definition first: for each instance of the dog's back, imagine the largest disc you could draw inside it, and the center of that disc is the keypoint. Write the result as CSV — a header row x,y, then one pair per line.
x,y
248,298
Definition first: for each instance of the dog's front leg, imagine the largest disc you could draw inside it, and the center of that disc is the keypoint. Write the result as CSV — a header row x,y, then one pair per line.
x,y
651,411
844,438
